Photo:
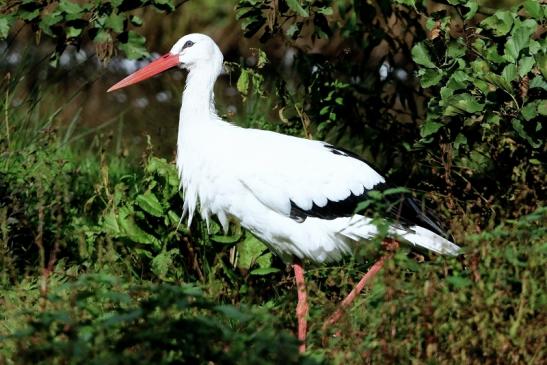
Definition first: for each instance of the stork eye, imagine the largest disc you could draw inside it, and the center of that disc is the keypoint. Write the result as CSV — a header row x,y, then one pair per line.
x,y
188,44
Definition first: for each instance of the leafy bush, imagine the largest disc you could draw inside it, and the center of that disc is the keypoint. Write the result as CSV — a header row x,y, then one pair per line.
x,y
488,90
99,319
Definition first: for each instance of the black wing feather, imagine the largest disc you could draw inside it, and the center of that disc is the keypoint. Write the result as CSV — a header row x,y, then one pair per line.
x,y
403,209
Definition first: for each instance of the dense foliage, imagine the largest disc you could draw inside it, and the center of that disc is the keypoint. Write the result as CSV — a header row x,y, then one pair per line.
x,y
446,97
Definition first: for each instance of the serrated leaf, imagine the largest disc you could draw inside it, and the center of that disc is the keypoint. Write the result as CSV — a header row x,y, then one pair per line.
x,y
520,39
134,47
525,65
500,23
456,48
150,204
420,55
529,111
509,73
297,8
5,25
265,260
473,6
429,128
249,250
430,77
163,262
131,230
115,22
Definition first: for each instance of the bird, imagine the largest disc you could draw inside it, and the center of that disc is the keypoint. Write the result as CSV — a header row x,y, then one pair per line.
x,y
296,195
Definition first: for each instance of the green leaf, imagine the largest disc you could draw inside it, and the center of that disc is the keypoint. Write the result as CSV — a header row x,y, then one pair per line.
x,y
460,103
460,140
262,58
134,47
5,25
50,20
243,82
375,194
533,8
456,48
163,262
538,82
430,128
226,240
420,55
525,65
541,60
500,23
115,22
519,128
407,2
264,271
135,20
397,190
165,5
473,7
265,260
70,7
110,224
297,8
509,73
72,32
150,204
499,81
132,231
249,250
458,282
325,11
529,111
519,40
429,77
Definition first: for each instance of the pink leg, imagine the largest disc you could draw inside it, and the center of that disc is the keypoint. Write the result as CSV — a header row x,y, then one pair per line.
x,y
354,293
302,307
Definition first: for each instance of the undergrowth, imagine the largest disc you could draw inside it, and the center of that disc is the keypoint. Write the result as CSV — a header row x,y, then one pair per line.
x,y
96,266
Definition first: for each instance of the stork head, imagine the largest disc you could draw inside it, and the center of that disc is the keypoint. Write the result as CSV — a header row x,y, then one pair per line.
x,y
193,51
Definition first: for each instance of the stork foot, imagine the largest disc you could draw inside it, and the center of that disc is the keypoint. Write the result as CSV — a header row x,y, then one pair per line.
x,y
302,306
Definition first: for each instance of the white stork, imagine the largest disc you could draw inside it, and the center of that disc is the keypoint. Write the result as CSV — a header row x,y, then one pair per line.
x,y
296,195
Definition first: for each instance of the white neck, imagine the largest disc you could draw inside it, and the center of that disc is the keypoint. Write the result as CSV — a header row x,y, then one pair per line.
x,y
197,113
198,102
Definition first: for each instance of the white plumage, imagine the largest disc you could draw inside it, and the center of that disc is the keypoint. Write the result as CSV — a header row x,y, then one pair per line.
x,y
281,188
294,194
251,176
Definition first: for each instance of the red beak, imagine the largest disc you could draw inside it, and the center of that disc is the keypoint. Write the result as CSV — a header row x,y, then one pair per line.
x,y
163,63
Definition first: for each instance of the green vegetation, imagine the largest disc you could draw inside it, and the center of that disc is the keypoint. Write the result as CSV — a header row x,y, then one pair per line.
x,y
95,266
